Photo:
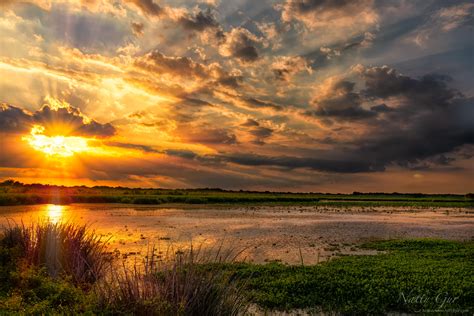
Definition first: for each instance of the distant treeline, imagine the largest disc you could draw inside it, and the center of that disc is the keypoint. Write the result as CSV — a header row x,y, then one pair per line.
x,y
16,193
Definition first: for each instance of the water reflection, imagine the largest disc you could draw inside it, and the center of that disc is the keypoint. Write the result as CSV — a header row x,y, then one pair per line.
x,y
265,233
54,213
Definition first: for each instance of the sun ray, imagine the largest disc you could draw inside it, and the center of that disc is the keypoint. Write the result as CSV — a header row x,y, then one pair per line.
x,y
62,146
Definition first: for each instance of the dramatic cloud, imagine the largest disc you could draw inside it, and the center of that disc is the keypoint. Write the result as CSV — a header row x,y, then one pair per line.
x,y
241,44
179,66
199,21
338,99
13,119
288,94
148,7
337,17
57,120
286,67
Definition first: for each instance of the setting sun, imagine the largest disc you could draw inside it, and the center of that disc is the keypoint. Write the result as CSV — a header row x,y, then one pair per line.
x,y
62,146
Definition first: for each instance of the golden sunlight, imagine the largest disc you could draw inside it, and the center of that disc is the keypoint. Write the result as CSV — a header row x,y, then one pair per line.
x,y
54,212
62,146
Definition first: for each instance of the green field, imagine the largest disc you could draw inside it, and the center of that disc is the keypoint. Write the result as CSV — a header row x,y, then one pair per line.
x,y
420,275
410,276
15,193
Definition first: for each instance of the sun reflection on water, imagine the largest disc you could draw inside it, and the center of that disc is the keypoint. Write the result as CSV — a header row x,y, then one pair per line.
x,y
54,212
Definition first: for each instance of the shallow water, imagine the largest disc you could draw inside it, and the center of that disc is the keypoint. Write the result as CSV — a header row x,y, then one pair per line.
x,y
289,234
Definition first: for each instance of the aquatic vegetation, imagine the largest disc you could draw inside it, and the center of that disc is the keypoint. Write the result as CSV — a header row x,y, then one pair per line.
x,y
406,276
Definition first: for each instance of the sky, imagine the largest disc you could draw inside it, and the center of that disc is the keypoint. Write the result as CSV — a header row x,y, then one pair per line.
x,y
284,95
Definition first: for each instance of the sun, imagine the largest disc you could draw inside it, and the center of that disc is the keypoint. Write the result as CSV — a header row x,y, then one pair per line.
x,y
59,146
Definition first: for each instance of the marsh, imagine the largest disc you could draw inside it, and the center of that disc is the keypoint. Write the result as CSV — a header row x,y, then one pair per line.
x,y
289,234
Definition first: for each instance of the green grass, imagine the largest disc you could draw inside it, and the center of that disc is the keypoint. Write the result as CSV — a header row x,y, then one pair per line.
x,y
416,275
51,269
407,278
15,193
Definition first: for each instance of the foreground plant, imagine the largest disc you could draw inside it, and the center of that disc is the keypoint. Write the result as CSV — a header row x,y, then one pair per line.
x,y
61,248
177,285
48,268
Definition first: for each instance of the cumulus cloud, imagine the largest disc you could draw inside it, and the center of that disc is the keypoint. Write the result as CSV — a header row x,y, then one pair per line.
x,y
430,90
416,118
179,66
285,67
241,44
58,118
337,99
199,21
148,7
340,19
13,119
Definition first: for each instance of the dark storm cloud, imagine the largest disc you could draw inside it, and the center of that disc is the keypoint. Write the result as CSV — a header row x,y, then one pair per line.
x,y
55,121
430,90
200,21
429,124
416,123
430,119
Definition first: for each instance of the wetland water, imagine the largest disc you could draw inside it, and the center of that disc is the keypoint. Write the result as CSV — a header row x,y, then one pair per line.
x,y
265,232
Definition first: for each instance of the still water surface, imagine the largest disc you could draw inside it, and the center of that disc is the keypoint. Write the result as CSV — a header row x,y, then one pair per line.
x,y
266,233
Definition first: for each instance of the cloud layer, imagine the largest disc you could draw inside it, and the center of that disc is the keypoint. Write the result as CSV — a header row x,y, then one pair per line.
x,y
306,95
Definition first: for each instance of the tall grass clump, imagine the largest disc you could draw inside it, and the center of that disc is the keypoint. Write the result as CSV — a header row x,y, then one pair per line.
x,y
50,268
178,285
63,249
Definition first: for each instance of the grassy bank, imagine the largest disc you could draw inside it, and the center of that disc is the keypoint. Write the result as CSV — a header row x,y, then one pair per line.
x,y
411,276
78,276
15,193
49,269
